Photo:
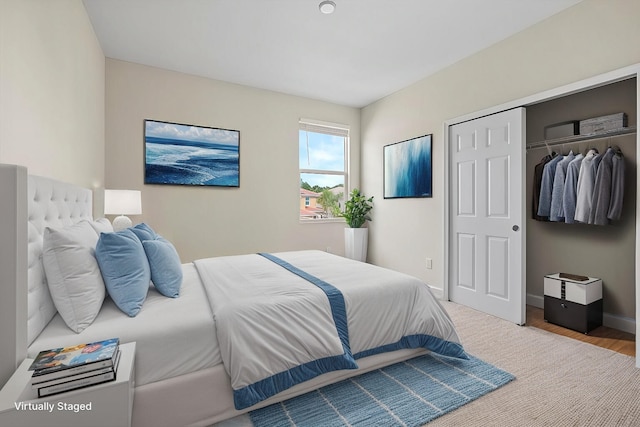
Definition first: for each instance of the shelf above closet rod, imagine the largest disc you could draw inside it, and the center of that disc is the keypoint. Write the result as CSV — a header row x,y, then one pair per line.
x,y
579,138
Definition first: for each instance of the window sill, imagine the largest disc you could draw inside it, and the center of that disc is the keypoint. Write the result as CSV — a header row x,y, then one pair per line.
x,y
322,221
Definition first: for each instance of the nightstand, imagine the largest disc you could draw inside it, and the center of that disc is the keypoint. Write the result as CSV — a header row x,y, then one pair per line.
x,y
108,404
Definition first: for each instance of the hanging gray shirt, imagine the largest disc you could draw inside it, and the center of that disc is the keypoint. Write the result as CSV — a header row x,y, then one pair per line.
x,y
602,190
617,186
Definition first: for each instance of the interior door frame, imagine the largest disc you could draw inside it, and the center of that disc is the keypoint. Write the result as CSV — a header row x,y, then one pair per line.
x,y
569,89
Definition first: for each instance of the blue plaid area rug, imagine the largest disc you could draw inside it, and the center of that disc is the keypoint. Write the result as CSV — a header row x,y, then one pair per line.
x,y
410,393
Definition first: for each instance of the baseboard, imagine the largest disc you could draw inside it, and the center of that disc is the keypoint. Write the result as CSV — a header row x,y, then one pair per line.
x,y
624,324
535,301
437,292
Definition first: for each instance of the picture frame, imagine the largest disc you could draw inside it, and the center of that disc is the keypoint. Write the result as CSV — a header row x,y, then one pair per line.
x,y
183,154
408,168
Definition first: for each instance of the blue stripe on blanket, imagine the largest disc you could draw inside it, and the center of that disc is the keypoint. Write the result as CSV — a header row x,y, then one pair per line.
x,y
336,299
435,344
270,386
263,389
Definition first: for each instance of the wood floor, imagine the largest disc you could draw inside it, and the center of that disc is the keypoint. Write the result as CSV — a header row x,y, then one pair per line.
x,y
613,339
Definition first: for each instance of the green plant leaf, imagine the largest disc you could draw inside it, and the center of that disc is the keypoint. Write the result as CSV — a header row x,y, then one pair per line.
x,y
356,210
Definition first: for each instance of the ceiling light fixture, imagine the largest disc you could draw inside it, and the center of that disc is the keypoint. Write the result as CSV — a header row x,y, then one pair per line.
x,y
327,7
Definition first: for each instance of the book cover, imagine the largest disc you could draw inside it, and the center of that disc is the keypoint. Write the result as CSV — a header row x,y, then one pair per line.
x,y
62,359
80,383
44,381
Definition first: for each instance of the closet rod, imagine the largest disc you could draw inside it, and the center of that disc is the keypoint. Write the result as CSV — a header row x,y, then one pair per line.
x,y
579,138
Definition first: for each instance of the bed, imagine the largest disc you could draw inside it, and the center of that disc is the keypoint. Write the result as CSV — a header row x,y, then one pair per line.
x,y
246,331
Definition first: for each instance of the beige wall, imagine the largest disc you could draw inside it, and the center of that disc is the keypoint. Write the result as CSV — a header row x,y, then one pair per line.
x,y
261,215
51,91
588,39
52,119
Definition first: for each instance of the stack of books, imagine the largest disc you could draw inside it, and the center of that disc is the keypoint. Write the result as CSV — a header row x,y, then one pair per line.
x,y
69,368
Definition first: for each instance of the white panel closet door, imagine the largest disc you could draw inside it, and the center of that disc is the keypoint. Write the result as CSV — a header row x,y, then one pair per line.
x,y
486,240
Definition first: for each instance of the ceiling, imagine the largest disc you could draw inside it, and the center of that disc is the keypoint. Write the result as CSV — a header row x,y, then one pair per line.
x,y
364,51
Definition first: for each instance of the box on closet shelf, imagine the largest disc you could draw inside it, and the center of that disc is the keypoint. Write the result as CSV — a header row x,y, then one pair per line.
x,y
562,130
574,302
603,123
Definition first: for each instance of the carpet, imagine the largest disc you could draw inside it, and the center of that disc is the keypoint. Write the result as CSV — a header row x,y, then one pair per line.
x,y
561,381
409,393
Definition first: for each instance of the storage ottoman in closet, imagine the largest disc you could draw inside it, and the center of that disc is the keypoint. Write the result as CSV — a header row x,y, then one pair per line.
x,y
573,304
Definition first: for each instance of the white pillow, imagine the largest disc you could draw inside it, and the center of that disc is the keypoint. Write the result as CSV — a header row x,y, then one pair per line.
x,y
102,225
73,275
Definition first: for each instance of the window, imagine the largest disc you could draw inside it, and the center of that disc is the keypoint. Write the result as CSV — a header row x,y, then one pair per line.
x,y
323,163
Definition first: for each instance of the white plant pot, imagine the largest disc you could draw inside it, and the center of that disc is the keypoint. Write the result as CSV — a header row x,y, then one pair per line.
x,y
355,243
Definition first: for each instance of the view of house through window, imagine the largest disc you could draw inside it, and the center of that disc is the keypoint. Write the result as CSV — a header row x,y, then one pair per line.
x,y
323,170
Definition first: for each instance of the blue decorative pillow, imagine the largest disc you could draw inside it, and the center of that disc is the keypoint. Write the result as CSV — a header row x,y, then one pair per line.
x,y
166,270
164,261
125,269
144,232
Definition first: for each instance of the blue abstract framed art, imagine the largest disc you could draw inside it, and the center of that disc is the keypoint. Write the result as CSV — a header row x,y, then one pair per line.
x,y
408,168
181,154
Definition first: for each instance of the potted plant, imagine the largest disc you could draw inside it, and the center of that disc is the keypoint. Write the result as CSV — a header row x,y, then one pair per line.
x,y
356,213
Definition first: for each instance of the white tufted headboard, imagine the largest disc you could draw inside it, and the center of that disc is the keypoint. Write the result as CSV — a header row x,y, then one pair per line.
x,y
29,204
50,204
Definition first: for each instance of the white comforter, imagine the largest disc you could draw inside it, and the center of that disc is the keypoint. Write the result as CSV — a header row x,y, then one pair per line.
x,y
276,329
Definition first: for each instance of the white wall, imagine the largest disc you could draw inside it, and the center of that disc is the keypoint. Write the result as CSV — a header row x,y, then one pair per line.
x,y
261,215
51,116
51,90
586,40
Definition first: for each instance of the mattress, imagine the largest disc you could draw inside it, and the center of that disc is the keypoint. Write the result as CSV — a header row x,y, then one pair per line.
x,y
174,336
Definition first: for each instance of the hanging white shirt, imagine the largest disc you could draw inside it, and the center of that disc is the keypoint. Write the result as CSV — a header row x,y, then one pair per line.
x,y
584,191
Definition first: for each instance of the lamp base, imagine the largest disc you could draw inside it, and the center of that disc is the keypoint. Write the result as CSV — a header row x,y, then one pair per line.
x,y
121,222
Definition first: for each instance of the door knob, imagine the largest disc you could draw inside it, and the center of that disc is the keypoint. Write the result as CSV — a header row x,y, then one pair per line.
x,y
515,228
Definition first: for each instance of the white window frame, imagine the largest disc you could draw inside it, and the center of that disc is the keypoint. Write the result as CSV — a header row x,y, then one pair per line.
x,y
335,129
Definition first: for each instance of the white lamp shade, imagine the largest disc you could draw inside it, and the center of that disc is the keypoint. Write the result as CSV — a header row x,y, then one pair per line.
x,y
122,202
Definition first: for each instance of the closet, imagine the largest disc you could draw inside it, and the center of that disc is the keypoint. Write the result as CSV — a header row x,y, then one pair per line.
x,y
603,251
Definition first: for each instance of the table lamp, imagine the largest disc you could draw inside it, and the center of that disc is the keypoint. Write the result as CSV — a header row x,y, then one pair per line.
x,y
121,203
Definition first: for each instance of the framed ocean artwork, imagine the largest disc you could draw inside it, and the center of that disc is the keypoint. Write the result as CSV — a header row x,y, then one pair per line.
x,y
408,168
182,154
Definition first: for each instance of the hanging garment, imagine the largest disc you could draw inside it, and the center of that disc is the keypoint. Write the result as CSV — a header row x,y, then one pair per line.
x,y
570,189
537,182
602,190
595,164
584,189
556,212
617,186
546,187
